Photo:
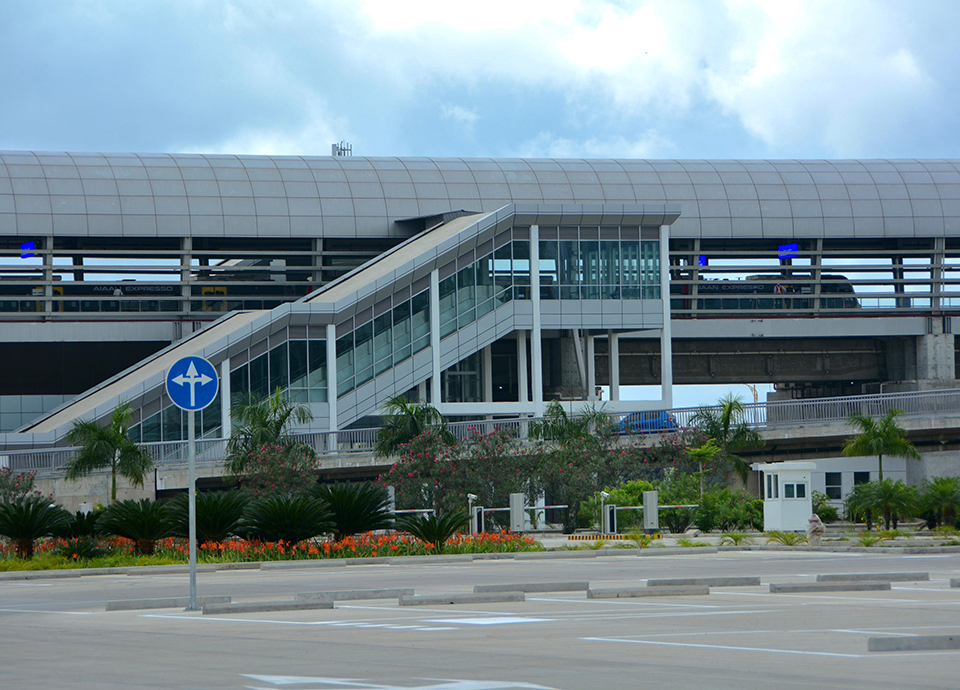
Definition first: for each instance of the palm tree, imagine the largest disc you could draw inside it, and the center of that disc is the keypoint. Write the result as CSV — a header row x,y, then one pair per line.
x,y
260,422
879,437
557,425
109,446
725,423
404,421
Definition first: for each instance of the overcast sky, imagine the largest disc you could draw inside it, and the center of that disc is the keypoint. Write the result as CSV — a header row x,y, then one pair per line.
x,y
556,78
539,78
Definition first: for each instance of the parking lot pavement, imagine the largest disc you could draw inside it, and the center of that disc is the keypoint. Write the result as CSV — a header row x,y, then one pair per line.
x,y
57,633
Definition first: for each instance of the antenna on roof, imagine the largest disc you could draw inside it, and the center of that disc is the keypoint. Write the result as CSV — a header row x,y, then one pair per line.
x,y
341,150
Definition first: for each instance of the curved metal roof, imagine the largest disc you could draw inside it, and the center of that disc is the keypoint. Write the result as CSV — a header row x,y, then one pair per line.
x,y
175,195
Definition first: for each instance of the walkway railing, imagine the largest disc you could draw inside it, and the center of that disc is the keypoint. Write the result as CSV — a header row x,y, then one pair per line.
x,y
361,441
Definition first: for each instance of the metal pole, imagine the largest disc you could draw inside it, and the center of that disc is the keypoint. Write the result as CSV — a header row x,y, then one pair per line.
x,y
192,532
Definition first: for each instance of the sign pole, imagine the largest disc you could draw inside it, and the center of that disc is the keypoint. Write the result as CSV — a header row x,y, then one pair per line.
x,y
192,384
192,533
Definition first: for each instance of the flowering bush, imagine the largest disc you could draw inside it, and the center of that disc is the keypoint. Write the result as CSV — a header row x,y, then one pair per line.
x,y
17,485
277,469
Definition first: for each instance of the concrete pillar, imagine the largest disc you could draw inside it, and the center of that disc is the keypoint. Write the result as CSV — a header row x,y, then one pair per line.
x,y
332,386
435,398
935,353
487,355
613,349
522,365
591,368
186,259
48,275
226,400
536,344
666,334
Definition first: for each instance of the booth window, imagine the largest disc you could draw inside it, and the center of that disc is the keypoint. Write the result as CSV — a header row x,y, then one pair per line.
x,y
833,486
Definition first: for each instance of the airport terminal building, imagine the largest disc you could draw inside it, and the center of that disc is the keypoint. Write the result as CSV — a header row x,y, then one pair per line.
x,y
485,286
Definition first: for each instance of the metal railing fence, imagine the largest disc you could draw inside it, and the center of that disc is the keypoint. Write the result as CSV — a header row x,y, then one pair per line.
x,y
362,441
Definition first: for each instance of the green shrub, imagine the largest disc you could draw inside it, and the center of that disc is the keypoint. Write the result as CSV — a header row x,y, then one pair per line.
x,y
82,548
145,522
29,518
726,510
219,514
826,511
627,494
680,489
355,508
292,520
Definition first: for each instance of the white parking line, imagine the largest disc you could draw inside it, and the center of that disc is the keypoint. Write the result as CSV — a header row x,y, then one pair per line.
x,y
723,647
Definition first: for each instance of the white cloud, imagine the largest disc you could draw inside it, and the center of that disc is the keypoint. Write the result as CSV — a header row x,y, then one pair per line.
x,y
546,145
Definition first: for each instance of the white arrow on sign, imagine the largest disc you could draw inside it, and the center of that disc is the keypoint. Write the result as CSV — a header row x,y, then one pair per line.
x,y
192,378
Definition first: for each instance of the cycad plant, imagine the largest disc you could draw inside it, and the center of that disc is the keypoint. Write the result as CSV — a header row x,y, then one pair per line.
x,y
893,499
81,525
435,529
292,520
355,507
219,514
144,521
30,518
941,498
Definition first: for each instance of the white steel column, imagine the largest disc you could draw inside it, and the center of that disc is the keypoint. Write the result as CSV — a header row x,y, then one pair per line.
x,y
536,346
666,334
226,400
613,349
435,337
332,386
591,368
487,373
522,365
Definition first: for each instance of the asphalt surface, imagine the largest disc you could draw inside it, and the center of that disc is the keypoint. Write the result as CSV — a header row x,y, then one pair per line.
x,y
55,633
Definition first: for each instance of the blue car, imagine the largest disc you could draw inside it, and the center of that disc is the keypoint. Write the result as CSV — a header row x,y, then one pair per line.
x,y
653,422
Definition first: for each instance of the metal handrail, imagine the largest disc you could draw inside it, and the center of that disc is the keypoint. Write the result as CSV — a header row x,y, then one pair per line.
x,y
362,441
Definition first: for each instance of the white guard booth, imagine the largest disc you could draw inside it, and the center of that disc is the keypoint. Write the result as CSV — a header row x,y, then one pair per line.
x,y
787,503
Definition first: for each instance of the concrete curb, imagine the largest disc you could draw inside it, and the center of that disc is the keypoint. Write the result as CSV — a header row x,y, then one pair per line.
x,y
708,581
914,643
354,594
955,581
532,587
167,603
295,565
875,577
259,607
630,592
442,599
800,587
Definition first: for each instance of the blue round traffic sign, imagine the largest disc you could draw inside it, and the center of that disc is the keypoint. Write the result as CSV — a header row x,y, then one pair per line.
x,y
192,383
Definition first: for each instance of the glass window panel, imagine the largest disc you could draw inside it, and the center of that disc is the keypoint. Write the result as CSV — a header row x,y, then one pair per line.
x,y
344,363
172,424
448,302
240,382
485,308
466,293
299,395
134,433
630,263
485,285
382,336
590,256
569,263
801,490
151,429
259,381
521,262
421,315
317,374
298,363
609,263
318,394
788,490
210,417
363,346
279,374
503,268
